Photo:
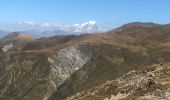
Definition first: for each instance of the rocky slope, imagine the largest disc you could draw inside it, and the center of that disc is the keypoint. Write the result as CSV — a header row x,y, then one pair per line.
x,y
67,61
130,47
14,42
152,83
30,77
64,65
35,76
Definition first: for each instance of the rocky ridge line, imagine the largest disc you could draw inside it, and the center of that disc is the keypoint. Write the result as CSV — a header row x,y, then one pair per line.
x,y
153,83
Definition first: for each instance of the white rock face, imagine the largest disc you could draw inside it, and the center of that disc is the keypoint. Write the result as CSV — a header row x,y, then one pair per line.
x,y
67,61
7,47
118,97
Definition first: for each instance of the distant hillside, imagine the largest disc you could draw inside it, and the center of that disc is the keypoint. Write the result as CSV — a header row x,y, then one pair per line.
x,y
14,41
3,33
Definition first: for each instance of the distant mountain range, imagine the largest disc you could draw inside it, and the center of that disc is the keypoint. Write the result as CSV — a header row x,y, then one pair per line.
x,y
48,30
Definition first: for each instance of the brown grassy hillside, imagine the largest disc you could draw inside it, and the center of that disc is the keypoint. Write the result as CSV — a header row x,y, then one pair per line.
x,y
132,46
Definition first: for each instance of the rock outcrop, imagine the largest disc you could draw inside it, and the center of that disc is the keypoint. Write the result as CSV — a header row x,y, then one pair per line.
x,y
67,61
152,83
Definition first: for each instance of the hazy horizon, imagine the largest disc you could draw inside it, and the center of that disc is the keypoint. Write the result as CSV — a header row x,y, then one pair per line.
x,y
19,15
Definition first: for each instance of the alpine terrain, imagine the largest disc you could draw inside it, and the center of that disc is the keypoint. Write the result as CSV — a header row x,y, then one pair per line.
x,y
128,63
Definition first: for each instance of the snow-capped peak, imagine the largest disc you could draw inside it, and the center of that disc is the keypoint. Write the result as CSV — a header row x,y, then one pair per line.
x,y
51,29
89,23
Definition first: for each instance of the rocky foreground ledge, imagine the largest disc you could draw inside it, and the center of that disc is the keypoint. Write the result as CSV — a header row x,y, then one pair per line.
x,y
152,83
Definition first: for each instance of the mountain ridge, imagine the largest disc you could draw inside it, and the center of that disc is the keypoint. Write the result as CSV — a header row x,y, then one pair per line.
x,y
134,46
50,63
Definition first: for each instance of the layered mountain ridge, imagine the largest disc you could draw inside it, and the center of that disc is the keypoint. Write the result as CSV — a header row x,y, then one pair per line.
x,y
57,67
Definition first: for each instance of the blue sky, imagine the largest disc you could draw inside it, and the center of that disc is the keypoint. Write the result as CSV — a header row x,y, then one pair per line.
x,y
104,12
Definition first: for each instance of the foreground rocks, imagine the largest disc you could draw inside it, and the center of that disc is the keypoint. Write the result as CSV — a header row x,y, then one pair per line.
x,y
153,83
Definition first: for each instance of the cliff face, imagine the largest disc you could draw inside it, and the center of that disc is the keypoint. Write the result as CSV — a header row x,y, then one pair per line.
x,y
67,61
36,77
